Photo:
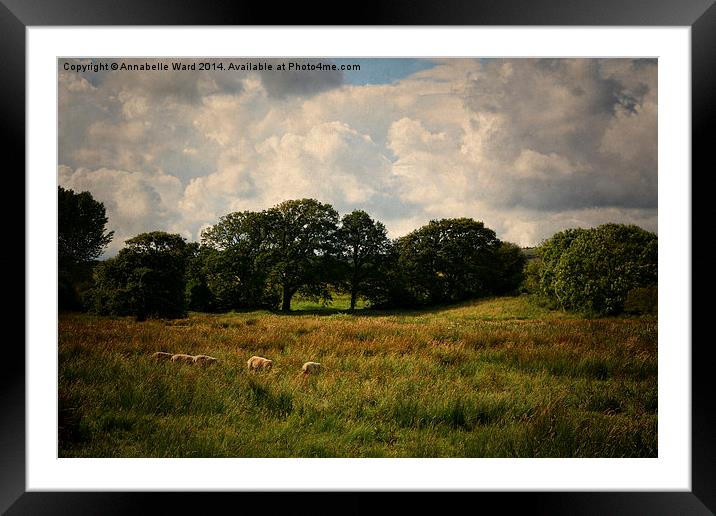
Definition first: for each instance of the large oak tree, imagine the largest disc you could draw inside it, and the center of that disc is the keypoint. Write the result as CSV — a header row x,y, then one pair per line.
x,y
364,244
302,247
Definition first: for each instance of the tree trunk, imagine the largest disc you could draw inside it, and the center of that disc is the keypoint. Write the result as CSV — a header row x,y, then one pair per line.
x,y
354,295
287,295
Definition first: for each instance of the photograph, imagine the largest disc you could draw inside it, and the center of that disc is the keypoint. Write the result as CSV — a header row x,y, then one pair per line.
x,y
414,250
354,257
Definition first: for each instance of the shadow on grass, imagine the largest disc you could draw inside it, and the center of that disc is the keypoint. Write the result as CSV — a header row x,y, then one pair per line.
x,y
384,312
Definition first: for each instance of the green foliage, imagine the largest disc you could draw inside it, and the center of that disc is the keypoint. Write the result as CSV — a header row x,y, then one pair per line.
x,y
145,279
387,288
67,296
199,297
449,260
301,248
509,268
261,258
549,255
531,276
593,270
81,235
81,238
73,285
363,244
236,256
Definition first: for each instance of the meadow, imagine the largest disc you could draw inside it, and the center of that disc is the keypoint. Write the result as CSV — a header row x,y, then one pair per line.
x,y
499,377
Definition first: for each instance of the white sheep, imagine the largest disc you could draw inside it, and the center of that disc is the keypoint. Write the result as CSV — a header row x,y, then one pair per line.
x,y
161,355
256,363
311,368
181,357
204,359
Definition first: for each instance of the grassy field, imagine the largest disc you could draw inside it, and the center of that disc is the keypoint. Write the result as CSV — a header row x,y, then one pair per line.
x,y
493,378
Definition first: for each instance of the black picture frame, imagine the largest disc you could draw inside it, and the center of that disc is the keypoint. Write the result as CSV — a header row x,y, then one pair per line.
x,y
700,15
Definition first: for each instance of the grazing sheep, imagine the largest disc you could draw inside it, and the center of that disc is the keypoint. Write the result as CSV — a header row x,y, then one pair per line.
x,y
181,357
204,359
161,355
311,368
256,363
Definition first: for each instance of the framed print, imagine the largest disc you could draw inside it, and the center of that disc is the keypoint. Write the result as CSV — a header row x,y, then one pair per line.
x,y
381,141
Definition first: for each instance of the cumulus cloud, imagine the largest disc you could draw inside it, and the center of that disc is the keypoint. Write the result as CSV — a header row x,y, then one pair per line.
x,y
329,161
529,146
595,121
134,202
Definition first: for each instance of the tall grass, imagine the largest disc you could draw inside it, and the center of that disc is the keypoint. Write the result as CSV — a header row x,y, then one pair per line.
x,y
495,378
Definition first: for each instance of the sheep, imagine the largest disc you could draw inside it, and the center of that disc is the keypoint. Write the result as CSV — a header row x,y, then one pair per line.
x,y
161,355
311,368
204,359
181,357
256,363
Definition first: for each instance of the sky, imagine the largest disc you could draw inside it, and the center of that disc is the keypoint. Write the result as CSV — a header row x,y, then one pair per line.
x,y
527,146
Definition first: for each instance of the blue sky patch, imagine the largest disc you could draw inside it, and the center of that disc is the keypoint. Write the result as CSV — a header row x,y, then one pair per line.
x,y
382,70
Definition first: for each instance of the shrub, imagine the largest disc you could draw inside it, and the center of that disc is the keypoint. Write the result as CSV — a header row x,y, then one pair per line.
x,y
597,268
146,278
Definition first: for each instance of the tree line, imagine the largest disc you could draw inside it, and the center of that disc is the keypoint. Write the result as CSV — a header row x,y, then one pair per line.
x,y
262,259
